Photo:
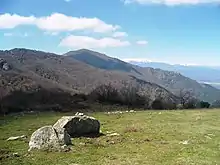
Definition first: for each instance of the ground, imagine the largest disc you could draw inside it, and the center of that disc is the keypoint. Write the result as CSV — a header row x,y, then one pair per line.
x,y
146,138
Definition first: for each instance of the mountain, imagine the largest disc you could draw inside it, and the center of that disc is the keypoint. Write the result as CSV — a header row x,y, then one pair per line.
x,y
83,70
209,75
170,80
31,70
100,61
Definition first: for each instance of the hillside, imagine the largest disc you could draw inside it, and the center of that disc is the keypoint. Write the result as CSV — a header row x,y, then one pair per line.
x,y
31,70
170,80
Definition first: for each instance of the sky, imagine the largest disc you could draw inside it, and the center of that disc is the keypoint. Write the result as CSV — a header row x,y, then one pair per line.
x,y
172,31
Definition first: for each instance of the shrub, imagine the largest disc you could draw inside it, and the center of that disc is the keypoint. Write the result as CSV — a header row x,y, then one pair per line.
x,y
190,104
160,104
157,104
203,104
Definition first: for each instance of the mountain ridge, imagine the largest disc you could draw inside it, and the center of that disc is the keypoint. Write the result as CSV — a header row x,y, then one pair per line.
x,y
71,73
31,69
170,80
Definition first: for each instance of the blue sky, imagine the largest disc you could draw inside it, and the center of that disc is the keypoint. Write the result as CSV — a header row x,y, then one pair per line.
x,y
172,31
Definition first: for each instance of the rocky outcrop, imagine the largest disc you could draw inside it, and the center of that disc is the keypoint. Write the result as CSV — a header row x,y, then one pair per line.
x,y
78,125
47,138
4,65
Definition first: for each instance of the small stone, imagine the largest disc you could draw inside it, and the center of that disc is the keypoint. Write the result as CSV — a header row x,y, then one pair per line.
x,y
164,142
16,138
210,134
16,154
82,144
113,134
185,142
198,118
208,137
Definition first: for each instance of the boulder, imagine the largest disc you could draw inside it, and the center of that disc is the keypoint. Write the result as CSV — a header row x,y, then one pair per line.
x,y
78,125
47,138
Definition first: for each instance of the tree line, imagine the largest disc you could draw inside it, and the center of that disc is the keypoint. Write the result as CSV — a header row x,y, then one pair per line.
x,y
130,96
127,95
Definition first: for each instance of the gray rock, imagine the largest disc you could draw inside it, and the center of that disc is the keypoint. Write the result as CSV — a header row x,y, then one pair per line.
x,y
47,138
78,125
6,66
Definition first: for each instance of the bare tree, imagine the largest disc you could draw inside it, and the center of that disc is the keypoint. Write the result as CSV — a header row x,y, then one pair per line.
x,y
128,95
184,96
105,93
187,99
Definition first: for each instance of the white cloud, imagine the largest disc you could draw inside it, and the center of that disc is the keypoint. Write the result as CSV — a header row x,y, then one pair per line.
x,y
89,42
142,42
171,2
8,21
8,34
120,34
61,22
57,22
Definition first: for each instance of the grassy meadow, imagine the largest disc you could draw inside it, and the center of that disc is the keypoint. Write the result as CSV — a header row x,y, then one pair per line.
x,y
146,138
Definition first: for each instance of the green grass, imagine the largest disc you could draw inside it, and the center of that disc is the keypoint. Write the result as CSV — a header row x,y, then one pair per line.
x,y
145,138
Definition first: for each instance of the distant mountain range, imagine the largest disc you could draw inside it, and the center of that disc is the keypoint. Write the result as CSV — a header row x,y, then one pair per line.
x,y
81,71
202,74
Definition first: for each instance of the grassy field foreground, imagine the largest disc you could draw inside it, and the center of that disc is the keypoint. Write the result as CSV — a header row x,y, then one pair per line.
x,y
150,137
